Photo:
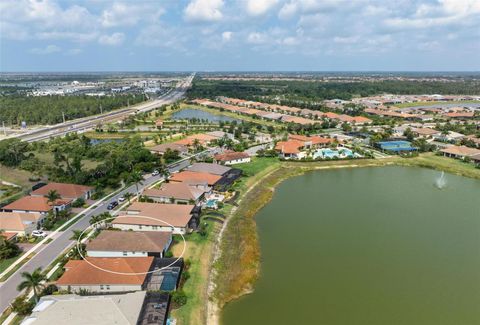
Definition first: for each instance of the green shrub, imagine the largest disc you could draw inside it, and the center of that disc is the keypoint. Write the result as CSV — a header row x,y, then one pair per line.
x,y
22,306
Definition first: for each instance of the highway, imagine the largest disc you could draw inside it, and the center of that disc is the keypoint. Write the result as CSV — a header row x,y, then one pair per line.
x,y
88,123
50,251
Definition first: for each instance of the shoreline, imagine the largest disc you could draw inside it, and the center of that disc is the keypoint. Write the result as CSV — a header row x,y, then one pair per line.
x,y
266,185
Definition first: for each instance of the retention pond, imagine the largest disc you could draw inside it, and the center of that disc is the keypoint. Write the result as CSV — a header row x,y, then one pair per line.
x,y
367,246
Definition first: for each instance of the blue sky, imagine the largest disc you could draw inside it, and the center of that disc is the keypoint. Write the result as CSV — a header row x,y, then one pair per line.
x,y
220,35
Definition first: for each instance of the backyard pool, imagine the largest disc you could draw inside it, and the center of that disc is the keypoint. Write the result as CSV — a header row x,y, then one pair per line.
x,y
334,153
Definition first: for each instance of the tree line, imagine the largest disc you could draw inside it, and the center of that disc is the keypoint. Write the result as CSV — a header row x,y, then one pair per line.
x,y
298,92
49,109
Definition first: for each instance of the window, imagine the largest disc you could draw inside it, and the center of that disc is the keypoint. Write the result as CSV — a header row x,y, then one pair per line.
x,y
140,227
124,253
101,287
108,287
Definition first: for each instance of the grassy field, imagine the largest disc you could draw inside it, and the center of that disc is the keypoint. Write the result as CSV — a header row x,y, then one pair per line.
x,y
4,263
199,250
403,105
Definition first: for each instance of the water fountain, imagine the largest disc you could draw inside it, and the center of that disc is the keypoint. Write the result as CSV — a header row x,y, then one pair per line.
x,y
441,182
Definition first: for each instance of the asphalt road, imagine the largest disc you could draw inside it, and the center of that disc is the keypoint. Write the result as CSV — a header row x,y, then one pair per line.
x,y
47,254
87,123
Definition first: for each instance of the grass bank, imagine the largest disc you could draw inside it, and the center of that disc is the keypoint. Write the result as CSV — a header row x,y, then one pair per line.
x,y
236,270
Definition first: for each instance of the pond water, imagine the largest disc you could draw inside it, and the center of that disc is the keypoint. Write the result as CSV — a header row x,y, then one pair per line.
x,y
191,113
99,141
368,246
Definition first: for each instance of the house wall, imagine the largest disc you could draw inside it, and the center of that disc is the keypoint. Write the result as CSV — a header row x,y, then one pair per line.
x,y
237,161
106,288
167,200
175,230
116,254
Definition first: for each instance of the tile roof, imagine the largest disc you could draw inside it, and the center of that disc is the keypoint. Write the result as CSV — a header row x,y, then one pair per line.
x,y
79,272
177,190
161,148
33,203
17,221
131,241
203,139
66,191
209,168
191,177
461,151
232,155
177,215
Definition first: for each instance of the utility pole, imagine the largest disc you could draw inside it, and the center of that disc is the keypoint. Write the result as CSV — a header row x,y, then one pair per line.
x,y
4,129
101,109
63,116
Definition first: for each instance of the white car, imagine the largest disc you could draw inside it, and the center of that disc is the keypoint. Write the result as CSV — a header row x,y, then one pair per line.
x,y
155,173
121,199
39,233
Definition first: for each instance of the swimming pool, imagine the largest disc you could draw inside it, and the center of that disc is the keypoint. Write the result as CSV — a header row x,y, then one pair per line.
x,y
334,153
212,204
169,282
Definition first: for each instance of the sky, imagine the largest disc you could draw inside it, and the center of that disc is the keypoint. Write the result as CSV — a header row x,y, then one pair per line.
x,y
239,35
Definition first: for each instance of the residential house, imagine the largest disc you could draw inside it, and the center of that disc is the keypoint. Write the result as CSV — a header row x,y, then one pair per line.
x,y
425,132
162,148
202,139
119,309
178,192
191,177
37,204
142,216
474,139
127,274
111,243
232,158
460,152
20,223
65,190
297,146
214,169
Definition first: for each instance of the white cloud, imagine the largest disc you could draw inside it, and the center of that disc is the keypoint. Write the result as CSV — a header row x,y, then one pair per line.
x,y
260,7
129,14
288,10
227,36
162,36
256,38
204,11
113,39
74,51
49,49
78,37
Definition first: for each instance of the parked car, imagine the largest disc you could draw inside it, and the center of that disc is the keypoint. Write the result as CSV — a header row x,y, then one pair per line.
x,y
121,199
112,205
155,173
39,233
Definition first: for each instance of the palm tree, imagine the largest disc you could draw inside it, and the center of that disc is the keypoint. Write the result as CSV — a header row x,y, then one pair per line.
x,y
136,177
52,196
33,281
76,235
128,196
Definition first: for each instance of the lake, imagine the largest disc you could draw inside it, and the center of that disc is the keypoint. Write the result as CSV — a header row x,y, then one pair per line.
x,y
367,246
191,113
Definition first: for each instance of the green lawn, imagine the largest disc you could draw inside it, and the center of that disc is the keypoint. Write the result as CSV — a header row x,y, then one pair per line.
x,y
5,263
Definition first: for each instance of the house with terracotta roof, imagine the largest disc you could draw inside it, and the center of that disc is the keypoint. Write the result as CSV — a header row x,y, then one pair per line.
x,y
178,193
425,132
296,146
203,139
191,177
20,223
162,148
126,274
210,168
460,152
65,190
111,243
232,158
37,204
142,216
